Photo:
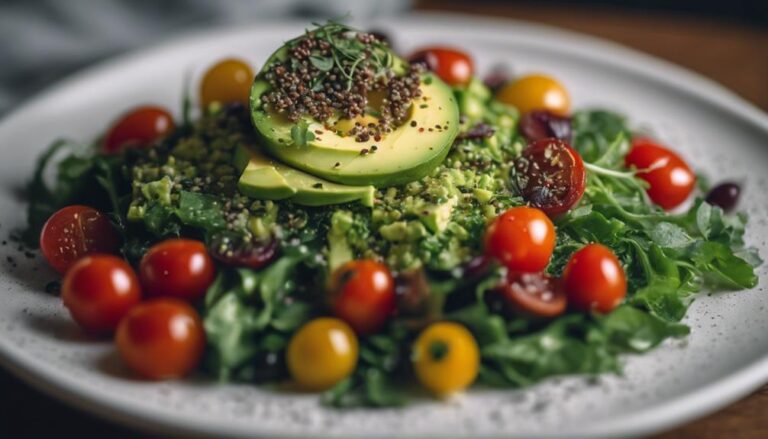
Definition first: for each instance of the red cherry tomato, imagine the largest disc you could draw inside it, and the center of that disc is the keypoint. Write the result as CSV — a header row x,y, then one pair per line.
x,y
452,66
178,268
363,295
522,238
550,176
534,294
139,128
161,338
73,232
671,180
594,279
98,291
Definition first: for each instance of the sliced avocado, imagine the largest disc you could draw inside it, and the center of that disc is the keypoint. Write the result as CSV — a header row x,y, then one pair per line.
x,y
260,178
266,179
437,216
406,154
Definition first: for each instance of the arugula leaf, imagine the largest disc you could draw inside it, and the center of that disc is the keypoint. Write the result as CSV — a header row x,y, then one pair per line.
x,y
240,306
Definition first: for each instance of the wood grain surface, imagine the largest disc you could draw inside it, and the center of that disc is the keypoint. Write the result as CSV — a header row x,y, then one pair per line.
x,y
734,55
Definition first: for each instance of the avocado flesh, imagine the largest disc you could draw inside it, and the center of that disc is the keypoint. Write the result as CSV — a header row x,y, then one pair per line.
x,y
266,179
403,155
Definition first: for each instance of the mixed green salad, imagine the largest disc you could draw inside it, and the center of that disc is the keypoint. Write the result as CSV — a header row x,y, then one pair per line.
x,y
351,221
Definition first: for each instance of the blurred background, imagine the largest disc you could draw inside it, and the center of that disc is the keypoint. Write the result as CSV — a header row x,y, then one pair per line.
x,y
42,41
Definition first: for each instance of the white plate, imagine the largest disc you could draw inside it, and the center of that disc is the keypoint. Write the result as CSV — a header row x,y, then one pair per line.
x,y
725,357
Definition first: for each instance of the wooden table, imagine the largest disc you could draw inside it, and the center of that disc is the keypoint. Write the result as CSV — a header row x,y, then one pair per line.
x,y
736,56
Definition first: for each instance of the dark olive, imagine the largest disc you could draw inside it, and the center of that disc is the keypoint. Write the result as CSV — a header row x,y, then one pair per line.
x,y
724,195
542,124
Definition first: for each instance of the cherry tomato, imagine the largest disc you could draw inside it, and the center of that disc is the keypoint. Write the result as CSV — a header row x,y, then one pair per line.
x,y
178,268
594,279
536,92
139,128
227,81
236,250
446,358
522,238
452,66
73,232
550,176
98,291
534,294
363,295
671,180
161,338
322,353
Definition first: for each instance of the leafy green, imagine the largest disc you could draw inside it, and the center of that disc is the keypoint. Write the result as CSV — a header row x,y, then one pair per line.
x,y
243,307
79,177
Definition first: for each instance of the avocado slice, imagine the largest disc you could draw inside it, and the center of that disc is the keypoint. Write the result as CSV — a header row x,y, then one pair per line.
x,y
266,179
406,154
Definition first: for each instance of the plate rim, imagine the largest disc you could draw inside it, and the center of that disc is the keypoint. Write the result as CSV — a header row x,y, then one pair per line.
x,y
671,412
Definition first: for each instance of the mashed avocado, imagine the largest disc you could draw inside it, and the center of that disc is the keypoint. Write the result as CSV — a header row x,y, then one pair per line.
x,y
436,221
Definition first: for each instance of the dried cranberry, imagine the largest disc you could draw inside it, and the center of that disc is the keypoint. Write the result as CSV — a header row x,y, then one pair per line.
x,y
724,195
542,124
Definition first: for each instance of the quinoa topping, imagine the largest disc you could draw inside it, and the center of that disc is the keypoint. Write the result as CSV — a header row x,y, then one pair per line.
x,y
334,71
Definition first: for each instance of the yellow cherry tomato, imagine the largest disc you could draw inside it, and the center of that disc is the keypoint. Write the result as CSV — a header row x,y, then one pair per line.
x,y
446,358
536,92
322,353
227,81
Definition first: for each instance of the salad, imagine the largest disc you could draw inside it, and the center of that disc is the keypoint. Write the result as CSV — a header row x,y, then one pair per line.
x,y
351,221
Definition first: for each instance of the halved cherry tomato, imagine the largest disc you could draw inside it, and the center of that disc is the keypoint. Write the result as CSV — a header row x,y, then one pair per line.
x,y
594,279
226,82
522,238
76,231
178,268
446,358
322,353
451,65
543,124
98,291
671,180
550,176
363,294
233,249
138,128
533,294
161,338
536,92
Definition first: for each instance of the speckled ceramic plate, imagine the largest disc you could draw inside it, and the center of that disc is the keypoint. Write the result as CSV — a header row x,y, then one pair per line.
x,y
725,357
